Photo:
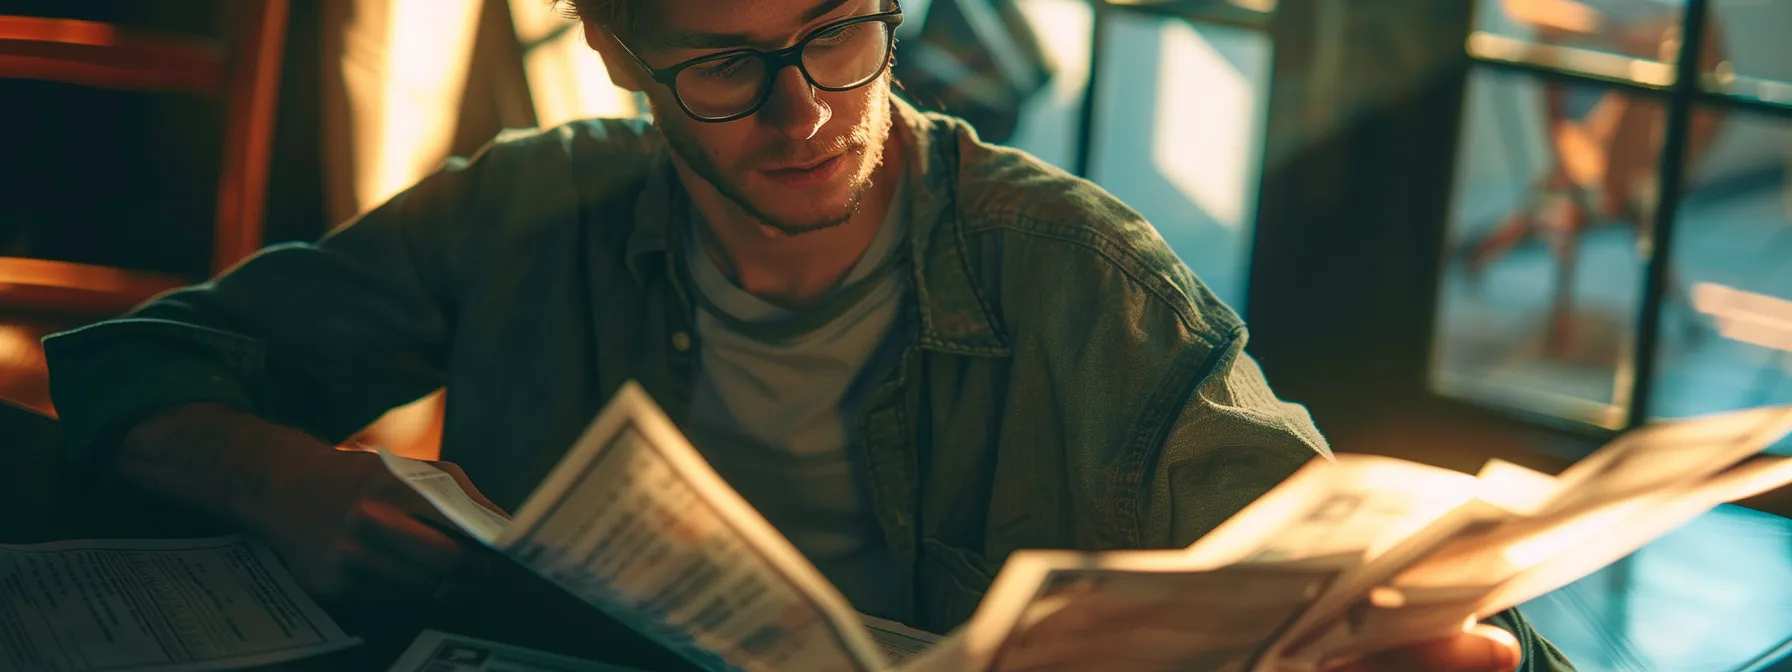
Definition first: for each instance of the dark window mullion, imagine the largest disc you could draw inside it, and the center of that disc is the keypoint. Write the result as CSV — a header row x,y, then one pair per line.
x,y
1671,176
1709,95
1085,130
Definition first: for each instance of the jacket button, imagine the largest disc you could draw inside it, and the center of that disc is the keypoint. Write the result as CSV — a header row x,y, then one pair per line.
x,y
681,341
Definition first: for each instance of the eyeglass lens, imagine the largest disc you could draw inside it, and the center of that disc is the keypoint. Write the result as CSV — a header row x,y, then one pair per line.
x,y
841,58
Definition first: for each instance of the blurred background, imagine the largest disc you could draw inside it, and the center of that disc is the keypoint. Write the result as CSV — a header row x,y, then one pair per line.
x,y
1459,229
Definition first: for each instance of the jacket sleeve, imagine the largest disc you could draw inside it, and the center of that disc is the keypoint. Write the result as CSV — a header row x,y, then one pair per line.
x,y
1231,443
324,337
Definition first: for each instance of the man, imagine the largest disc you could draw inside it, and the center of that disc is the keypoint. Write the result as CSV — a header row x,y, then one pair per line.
x,y
914,352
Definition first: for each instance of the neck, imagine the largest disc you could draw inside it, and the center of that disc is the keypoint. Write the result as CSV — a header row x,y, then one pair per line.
x,y
794,271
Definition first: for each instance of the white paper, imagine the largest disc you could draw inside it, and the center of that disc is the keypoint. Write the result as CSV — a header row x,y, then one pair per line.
x,y
1345,557
1667,453
1358,504
1127,611
1490,558
435,651
174,605
1585,554
1412,616
442,491
1104,620
898,642
634,522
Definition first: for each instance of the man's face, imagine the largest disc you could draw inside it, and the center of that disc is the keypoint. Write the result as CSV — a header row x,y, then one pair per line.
x,y
804,160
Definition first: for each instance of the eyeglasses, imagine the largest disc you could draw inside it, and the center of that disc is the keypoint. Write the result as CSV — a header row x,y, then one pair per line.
x,y
734,84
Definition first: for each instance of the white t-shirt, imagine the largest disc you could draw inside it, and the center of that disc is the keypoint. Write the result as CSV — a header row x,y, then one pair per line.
x,y
778,394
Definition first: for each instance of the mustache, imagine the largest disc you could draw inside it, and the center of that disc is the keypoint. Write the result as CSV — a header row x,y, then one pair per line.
x,y
806,152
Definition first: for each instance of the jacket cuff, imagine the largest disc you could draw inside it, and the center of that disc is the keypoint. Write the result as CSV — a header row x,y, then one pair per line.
x,y
102,392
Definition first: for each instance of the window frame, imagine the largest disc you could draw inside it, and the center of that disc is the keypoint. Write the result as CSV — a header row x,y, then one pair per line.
x,y
1351,236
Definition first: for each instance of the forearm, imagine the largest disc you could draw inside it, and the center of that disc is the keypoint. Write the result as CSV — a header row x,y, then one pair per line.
x,y
215,459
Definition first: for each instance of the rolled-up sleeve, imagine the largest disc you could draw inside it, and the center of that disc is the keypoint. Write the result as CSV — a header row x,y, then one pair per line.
x,y
324,337
1232,441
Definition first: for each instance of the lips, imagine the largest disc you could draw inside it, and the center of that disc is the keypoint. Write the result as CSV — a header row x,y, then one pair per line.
x,y
806,175
803,166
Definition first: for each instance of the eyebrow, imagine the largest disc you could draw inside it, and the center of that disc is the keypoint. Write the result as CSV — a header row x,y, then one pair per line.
x,y
700,40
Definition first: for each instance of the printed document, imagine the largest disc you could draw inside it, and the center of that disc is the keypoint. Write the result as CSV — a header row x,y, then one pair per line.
x,y
1344,558
634,521
179,605
435,651
898,642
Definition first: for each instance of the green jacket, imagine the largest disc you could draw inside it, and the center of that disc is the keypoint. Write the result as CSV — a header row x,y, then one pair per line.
x,y
1069,383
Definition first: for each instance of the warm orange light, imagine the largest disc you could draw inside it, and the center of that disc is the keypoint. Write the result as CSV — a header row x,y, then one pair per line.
x,y
1749,317
1565,15
67,31
567,78
404,67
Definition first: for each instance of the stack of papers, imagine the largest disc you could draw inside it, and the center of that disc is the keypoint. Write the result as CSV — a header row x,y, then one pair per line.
x,y
1345,558
179,605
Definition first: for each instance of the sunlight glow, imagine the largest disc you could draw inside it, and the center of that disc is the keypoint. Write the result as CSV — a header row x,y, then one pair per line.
x,y
1530,552
405,67
1063,28
1745,316
567,78
1206,126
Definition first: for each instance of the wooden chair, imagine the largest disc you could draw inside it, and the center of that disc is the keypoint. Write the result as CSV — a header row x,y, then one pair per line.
x,y
242,73
1602,168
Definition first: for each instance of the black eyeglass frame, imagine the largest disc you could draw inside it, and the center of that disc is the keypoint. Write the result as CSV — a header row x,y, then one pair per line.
x,y
775,62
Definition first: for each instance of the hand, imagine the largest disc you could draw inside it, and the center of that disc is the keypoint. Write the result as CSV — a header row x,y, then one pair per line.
x,y
352,534
1483,648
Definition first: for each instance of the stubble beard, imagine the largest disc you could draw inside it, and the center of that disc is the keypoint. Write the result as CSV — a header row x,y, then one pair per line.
x,y
864,145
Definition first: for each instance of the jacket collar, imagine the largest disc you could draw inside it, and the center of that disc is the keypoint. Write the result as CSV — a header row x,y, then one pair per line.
x,y
955,314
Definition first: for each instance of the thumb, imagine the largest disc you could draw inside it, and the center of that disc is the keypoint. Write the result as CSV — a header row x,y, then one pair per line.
x,y
1486,648
1482,648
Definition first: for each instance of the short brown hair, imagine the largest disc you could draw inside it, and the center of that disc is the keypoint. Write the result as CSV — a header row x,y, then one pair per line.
x,y
617,15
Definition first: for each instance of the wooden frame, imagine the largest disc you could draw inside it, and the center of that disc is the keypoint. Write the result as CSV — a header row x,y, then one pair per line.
x,y
103,55
246,76
65,287
249,131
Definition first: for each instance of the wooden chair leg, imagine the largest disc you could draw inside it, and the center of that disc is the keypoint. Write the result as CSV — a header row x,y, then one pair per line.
x,y
1559,338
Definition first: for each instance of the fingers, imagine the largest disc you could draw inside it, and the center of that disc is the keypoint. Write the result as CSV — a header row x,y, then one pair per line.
x,y
384,526
371,570
356,575
1483,648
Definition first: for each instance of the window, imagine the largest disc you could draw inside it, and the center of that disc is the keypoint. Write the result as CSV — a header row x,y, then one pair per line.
x,y
567,80
1179,136
1176,118
1580,140
1620,251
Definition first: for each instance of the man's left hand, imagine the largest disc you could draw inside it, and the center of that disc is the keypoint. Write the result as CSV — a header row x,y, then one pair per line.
x,y
1483,648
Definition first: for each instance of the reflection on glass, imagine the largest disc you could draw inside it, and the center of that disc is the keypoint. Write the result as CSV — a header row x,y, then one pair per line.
x,y
1179,137
1758,61
1645,29
1727,329
567,78
1049,119
1710,595
1555,186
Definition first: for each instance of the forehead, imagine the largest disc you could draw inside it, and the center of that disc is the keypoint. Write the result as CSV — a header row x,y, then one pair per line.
x,y
768,22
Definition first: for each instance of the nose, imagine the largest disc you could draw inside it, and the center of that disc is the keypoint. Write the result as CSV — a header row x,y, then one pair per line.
x,y
794,109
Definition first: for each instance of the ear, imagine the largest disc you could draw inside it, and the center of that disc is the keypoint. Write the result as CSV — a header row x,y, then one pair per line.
x,y
624,71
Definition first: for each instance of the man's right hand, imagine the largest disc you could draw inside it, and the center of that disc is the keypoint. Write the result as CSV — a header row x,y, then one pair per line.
x,y
349,531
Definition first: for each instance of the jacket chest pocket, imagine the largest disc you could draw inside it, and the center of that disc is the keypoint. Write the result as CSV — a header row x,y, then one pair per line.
x,y
949,582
